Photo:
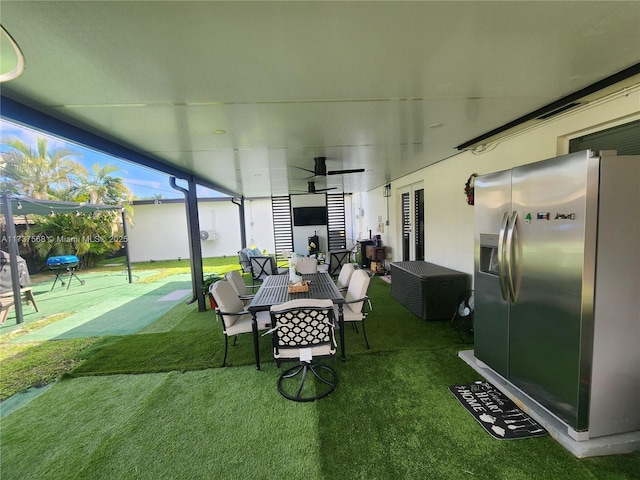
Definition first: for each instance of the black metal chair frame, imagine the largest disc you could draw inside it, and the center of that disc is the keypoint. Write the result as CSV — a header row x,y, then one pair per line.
x,y
265,266
341,257
304,327
365,300
226,337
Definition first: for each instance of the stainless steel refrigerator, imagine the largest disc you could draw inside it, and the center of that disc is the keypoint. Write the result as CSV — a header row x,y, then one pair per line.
x,y
557,287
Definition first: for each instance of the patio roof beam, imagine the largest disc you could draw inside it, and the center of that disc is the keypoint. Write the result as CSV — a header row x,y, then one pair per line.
x,y
30,117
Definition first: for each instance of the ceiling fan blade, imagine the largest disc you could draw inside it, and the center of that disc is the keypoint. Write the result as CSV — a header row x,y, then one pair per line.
x,y
320,168
305,169
311,188
341,172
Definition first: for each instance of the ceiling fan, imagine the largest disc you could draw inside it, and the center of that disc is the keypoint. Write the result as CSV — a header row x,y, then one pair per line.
x,y
312,189
320,168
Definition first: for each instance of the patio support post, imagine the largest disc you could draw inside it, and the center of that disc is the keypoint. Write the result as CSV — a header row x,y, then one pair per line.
x,y
195,249
126,243
243,228
12,245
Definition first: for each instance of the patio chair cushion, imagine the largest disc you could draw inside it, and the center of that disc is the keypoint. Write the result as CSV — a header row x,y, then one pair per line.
x,y
237,282
229,303
307,265
243,260
294,353
243,323
358,286
345,275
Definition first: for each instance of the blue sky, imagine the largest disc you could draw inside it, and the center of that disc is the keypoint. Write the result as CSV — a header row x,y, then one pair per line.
x,y
143,182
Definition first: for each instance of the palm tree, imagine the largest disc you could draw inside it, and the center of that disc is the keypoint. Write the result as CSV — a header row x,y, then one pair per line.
x,y
37,173
100,186
43,174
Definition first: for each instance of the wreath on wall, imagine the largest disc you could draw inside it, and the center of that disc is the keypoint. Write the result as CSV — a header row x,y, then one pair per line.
x,y
469,187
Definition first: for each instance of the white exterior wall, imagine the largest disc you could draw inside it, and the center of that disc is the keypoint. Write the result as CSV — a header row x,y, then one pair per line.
x,y
259,225
449,221
159,231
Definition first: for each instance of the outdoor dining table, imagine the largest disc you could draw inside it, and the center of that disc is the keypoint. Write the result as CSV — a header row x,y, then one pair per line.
x,y
275,290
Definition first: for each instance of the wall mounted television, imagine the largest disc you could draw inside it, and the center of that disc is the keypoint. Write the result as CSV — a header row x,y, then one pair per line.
x,y
309,216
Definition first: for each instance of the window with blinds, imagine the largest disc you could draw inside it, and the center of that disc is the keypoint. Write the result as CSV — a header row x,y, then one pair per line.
x,y
625,139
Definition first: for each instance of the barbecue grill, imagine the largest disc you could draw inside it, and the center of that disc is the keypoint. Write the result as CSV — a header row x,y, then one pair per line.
x,y
62,264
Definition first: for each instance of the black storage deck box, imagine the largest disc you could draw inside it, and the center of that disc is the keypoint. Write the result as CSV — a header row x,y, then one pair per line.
x,y
430,291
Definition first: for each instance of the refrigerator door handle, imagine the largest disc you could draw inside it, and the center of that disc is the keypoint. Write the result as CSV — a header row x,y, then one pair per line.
x,y
501,255
509,254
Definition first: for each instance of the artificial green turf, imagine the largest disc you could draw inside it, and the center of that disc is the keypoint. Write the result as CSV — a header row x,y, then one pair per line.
x,y
186,339
399,420
37,364
391,416
214,424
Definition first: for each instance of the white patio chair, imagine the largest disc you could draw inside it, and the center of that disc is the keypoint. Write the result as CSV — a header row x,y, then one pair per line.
x,y
232,314
353,310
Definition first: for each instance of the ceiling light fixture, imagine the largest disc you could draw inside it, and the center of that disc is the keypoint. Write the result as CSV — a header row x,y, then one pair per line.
x,y
11,58
436,125
219,131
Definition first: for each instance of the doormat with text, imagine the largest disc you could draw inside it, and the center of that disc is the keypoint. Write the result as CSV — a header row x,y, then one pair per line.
x,y
497,414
